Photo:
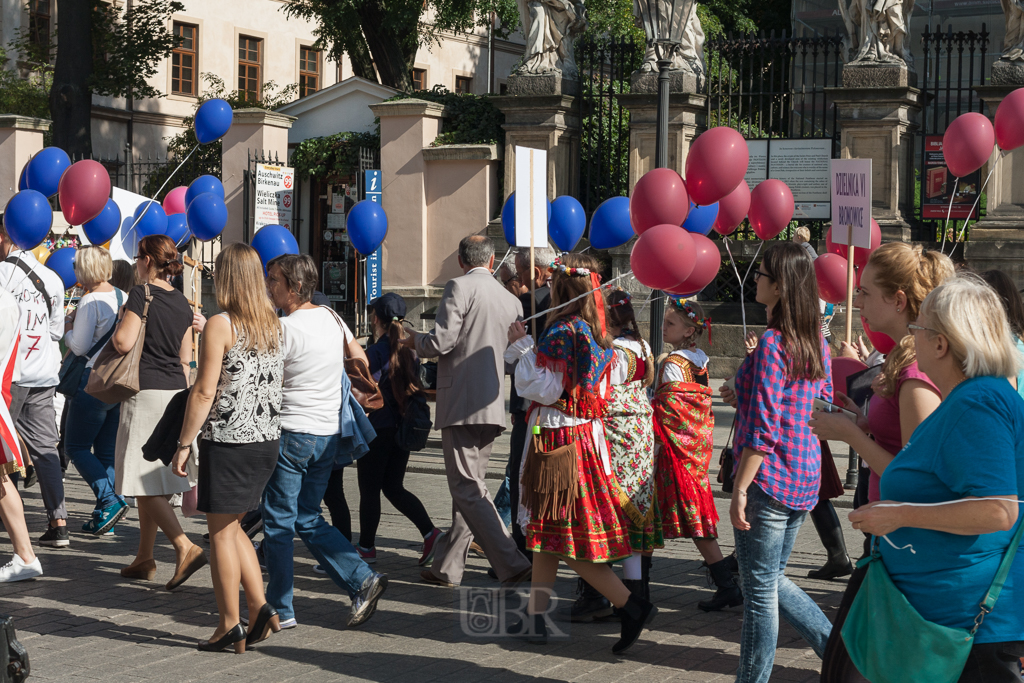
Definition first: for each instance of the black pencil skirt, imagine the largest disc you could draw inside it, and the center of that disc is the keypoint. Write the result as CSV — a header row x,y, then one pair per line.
x,y
232,476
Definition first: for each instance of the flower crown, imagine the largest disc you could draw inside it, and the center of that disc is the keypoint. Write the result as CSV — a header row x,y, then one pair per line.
x,y
687,310
562,268
627,298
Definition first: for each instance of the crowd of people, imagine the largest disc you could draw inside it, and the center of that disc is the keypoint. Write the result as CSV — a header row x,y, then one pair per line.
x,y
611,443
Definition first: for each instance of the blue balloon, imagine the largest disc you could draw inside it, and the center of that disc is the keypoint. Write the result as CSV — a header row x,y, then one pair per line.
x,y
177,228
567,223
213,120
44,172
28,218
275,240
202,185
23,180
103,228
207,216
149,219
367,226
610,226
508,219
62,262
701,218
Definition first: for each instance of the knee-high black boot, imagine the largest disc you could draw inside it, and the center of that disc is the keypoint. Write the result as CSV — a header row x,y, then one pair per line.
x,y
728,593
646,561
830,531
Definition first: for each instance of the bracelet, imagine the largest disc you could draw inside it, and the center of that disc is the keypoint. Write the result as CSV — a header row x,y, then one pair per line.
x,y
741,492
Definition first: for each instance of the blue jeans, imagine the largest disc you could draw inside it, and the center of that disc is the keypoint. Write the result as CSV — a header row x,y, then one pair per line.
x,y
291,504
762,553
89,438
503,501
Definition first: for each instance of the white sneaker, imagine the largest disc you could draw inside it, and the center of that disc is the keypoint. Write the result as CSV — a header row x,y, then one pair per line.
x,y
18,570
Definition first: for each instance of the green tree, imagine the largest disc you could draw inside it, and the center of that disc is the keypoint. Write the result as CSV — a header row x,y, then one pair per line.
x,y
25,96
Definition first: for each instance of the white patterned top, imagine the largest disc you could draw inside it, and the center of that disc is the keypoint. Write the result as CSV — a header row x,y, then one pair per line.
x,y
247,408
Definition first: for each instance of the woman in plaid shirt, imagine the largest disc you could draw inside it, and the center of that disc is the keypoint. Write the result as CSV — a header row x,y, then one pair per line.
x,y
779,460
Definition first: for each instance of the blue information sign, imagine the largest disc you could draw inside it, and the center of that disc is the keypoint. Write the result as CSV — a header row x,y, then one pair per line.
x,y
373,261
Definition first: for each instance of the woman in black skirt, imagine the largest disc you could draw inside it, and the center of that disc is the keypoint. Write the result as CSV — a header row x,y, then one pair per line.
x,y
236,404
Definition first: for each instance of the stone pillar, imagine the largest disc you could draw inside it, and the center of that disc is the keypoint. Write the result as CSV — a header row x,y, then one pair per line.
x,y
21,137
879,112
542,112
252,131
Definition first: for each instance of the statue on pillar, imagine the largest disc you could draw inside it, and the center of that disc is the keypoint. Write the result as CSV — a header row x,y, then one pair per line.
x,y
877,31
550,27
1013,42
677,22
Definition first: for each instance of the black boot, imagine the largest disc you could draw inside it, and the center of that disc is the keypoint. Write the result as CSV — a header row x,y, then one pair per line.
x,y
646,561
728,593
590,604
733,563
830,531
635,614
533,628
636,587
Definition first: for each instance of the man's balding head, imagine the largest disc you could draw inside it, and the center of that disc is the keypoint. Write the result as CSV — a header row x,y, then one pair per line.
x,y
476,251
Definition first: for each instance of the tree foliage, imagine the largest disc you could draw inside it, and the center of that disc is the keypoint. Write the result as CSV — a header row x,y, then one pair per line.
x,y
331,156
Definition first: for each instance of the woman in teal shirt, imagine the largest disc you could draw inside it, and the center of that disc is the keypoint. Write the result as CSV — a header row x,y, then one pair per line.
x,y
971,447
1014,307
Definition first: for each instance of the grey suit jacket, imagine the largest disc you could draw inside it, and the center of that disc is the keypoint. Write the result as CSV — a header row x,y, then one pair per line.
x,y
469,338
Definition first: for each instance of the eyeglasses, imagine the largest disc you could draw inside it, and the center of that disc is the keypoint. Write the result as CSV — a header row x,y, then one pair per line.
x,y
913,328
758,274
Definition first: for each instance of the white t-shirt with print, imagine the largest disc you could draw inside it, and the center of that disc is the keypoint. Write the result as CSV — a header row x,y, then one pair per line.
x,y
40,331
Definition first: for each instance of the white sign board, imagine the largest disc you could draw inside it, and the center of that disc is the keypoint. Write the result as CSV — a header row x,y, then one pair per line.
x,y
275,196
124,245
757,169
804,166
851,202
531,197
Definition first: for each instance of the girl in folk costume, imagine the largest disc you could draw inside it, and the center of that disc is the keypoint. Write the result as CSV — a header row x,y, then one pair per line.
x,y
569,506
684,426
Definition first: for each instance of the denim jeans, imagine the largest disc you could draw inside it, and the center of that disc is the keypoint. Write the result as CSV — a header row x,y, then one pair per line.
x,y
503,501
291,504
89,439
762,553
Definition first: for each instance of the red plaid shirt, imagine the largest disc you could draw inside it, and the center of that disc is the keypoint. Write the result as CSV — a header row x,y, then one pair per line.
x,y
772,414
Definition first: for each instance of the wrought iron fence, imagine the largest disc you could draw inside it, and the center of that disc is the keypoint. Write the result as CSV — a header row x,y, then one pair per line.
x,y
253,157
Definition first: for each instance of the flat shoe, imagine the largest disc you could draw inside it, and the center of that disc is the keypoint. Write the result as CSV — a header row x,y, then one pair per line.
x,y
143,570
195,559
427,576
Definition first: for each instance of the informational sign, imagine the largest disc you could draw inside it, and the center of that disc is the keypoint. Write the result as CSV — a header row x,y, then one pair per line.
x,y
937,185
374,276
336,221
802,164
757,169
851,202
275,196
531,197
335,280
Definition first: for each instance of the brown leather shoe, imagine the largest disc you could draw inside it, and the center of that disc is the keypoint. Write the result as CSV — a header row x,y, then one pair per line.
x,y
427,576
143,570
520,578
195,559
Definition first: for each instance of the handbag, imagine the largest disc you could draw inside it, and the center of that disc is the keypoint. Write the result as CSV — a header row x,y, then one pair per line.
x,y
115,377
890,642
727,460
364,389
73,366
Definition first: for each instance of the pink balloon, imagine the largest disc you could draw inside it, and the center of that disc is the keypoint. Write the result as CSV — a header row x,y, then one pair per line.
x,y
732,209
174,202
716,164
968,143
860,256
842,368
83,191
771,208
659,198
709,262
1010,121
830,271
663,256
881,341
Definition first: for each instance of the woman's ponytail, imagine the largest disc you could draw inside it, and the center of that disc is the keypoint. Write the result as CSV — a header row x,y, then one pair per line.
x,y
405,369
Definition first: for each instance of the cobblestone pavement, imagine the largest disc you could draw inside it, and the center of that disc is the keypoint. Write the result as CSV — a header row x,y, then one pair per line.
x,y
83,622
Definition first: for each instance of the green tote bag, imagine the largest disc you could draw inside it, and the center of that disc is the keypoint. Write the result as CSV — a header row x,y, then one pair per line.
x,y
890,642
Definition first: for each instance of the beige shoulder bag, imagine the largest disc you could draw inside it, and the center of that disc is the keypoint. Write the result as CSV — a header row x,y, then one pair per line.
x,y
115,377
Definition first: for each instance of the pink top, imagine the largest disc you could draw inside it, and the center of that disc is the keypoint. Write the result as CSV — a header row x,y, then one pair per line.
x,y
884,420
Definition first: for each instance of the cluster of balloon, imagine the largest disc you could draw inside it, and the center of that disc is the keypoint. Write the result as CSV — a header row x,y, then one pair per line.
x,y
566,222
367,226
206,214
831,271
149,219
508,219
62,262
701,219
610,226
272,241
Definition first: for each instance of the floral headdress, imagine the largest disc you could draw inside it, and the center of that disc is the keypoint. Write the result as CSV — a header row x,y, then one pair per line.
x,y
626,298
595,282
557,265
685,309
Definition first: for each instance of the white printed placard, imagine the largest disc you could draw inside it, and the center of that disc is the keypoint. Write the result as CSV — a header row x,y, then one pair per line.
x,y
851,202
531,197
275,196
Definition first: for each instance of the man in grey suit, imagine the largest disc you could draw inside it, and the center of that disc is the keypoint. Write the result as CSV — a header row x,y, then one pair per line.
x,y
469,340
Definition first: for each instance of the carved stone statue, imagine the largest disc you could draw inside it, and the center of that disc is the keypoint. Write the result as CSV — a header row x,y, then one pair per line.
x,y
550,27
877,31
677,22
1013,43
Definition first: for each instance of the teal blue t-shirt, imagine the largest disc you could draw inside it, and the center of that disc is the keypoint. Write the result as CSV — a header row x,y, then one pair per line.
x,y
972,445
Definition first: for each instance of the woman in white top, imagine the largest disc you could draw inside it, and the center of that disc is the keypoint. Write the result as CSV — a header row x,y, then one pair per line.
x,y
91,430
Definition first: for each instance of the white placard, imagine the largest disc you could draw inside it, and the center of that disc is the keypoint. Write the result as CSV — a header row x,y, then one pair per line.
x,y
804,166
851,202
275,196
124,245
531,196
757,169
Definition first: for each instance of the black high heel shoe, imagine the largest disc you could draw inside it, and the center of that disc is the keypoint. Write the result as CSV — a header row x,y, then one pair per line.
x,y
235,636
262,627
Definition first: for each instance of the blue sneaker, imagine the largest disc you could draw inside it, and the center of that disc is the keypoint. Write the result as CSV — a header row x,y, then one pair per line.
x,y
91,526
110,516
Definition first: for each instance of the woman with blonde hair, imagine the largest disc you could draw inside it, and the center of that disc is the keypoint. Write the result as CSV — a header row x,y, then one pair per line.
x,y
235,407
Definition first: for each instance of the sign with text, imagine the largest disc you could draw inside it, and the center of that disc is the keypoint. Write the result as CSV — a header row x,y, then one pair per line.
x,y
851,202
275,196
531,197
335,280
374,276
757,169
802,164
937,185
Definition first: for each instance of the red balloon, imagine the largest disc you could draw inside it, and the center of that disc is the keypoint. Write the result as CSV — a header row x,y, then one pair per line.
x,y
771,208
732,209
709,262
861,255
716,164
174,202
84,190
1010,121
659,198
968,143
881,341
663,256
842,368
830,271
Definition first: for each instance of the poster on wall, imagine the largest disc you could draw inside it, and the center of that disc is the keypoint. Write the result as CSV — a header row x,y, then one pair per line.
x,y
937,185
275,196
335,280
757,169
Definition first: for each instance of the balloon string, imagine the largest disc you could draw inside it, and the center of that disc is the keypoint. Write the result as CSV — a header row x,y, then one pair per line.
x,y
150,202
503,259
910,546
977,200
577,298
742,280
949,212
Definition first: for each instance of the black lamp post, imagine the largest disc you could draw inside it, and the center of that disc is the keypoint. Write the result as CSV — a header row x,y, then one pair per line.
x,y
660,161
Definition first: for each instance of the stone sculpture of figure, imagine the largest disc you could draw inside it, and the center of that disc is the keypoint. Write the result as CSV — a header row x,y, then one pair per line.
x,y
1013,43
877,31
550,27
677,22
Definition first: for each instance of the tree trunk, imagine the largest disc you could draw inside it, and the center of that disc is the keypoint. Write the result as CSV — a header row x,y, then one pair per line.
x,y
70,95
392,56
359,56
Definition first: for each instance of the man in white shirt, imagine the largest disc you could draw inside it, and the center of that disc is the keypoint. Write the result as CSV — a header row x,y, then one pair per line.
x,y
40,296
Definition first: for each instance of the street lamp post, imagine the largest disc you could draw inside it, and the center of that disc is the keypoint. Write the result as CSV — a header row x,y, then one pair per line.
x,y
660,161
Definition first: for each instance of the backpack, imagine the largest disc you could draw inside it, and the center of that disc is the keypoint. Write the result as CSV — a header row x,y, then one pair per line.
x,y
415,424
